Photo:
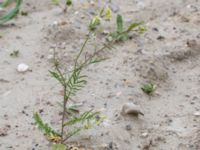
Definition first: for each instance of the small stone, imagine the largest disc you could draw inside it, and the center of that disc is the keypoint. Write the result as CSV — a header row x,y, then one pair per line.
x,y
155,29
192,103
198,36
192,8
197,114
92,3
55,23
22,68
161,38
128,127
76,13
3,80
1,9
131,109
192,43
50,57
144,135
105,32
4,130
110,145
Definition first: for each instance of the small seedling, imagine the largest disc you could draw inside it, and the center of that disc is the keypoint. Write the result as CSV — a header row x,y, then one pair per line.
x,y
72,122
121,34
15,53
63,7
149,88
96,20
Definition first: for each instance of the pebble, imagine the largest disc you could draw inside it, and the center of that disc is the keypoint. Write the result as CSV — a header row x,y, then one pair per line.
x,y
198,36
144,135
92,3
105,32
4,130
22,68
192,8
55,23
160,37
110,145
128,127
131,109
76,13
50,57
197,114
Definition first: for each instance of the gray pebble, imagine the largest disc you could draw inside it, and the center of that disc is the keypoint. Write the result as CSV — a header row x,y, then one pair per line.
x,y
128,127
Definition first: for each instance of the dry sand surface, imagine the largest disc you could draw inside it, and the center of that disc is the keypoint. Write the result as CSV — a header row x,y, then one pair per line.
x,y
167,54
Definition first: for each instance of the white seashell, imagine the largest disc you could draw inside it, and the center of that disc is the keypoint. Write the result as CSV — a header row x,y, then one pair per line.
x,y
22,67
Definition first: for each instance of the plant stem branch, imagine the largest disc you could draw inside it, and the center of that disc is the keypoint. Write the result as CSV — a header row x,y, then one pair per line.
x,y
63,115
81,51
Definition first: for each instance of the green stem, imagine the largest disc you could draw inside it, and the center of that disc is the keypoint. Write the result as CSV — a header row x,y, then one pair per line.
x,y
81,51
63,115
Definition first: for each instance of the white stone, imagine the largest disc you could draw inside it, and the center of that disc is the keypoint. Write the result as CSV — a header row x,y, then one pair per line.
x,y
197,114
76,13
55,23
50,57
22,67
144,135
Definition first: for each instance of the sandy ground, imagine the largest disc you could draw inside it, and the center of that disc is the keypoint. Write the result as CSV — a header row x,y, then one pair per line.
x,y
167,55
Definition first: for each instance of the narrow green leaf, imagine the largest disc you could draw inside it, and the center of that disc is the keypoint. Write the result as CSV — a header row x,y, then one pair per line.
x,y
94,61
5,3
119,24
43,126
11,14
89,115
57,77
